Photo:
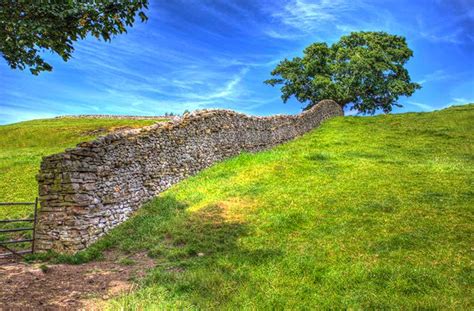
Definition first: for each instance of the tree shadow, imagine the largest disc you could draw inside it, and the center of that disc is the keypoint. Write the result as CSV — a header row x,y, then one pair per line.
x,y
199,253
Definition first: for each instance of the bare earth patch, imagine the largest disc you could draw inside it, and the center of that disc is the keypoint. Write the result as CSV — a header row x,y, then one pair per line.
x,y
69,287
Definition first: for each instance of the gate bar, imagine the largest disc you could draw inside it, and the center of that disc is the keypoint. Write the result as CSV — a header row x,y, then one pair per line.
x,y
35,217
14,230
16,220
14,252
16,241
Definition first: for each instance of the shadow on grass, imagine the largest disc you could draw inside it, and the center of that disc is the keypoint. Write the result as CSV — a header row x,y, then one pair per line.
x,y
165,227
197,253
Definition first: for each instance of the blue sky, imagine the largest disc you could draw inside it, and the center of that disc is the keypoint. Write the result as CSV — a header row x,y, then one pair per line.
x,y
215,54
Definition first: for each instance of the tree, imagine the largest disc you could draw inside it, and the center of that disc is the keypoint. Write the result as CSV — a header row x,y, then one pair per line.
x,y
29,27
365,69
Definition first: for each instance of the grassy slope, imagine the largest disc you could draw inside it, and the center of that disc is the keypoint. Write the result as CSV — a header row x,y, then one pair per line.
x,y
360,213
22,145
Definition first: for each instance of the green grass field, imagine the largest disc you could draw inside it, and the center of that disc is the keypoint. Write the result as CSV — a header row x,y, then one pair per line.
x,y
362,213
22,146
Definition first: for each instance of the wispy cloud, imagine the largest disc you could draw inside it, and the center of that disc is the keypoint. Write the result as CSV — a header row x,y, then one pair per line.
x,y
454,102
288,35
308,15
439,38
202,80
228,91
326,18
461,101
449,28
423,107
13,115
437,75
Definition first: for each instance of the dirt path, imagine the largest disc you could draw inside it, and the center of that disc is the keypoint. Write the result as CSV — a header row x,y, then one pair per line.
x,y
68,287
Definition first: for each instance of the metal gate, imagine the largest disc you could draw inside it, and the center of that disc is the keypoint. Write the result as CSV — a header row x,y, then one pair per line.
x,y
29,225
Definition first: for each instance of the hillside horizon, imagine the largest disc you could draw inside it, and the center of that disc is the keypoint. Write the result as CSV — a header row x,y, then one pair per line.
x,y
320,221
151,116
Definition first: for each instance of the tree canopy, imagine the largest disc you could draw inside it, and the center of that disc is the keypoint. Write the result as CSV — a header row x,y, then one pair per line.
x,y
365,69
29,27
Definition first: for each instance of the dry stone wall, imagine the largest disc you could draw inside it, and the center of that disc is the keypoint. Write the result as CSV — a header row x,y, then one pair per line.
x,y
87,190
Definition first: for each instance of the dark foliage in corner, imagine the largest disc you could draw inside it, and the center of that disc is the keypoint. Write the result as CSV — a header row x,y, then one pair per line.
x,y
27,28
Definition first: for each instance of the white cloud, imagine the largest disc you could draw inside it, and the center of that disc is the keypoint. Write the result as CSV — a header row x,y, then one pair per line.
x,y
449,38
450,31
437,75
424,107
281,34
309,16
454,102
228,91
13,115
305,15
460,101
327,20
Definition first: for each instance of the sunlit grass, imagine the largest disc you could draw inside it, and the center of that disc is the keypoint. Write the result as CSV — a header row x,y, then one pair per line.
x,y
362,213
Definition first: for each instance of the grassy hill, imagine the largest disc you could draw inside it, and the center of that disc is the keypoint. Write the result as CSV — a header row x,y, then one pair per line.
x,y
22,146
362,213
